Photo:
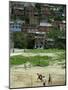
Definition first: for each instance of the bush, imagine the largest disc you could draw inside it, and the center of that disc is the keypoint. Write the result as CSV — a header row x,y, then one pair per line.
x,y
58,37
20,40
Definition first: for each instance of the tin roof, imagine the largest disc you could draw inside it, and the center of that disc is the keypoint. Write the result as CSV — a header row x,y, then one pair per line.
x,y
18,21
45,24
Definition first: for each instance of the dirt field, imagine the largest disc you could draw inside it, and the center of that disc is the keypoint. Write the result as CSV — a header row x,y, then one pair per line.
x,y
19,77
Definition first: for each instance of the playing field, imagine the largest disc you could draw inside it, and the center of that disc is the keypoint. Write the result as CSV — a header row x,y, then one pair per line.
x,y
24,67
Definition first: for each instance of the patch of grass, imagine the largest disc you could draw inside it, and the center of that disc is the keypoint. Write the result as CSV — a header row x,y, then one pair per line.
x,y
61,57
16,60
45,50
34,60
39,60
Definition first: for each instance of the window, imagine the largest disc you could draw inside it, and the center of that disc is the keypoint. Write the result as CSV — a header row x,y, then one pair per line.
x,y
16,26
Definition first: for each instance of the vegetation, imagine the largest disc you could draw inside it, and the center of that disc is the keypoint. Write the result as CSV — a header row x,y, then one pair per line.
x,y
34,60
56,13
61,57
30,41
39,60
20,40
58,36
23,40
51,50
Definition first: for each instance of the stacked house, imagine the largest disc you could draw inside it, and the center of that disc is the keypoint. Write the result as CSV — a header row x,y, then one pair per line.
x,y
33,19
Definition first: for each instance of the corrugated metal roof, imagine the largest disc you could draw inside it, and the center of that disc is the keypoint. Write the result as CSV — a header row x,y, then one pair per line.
x,y
29,4
18,21
45,24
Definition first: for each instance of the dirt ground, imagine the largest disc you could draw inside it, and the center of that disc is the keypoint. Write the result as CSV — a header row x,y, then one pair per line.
x,y
33,54
19,77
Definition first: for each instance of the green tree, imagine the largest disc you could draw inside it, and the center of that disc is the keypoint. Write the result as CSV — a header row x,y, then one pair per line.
x,y
30,41
58,36
20,40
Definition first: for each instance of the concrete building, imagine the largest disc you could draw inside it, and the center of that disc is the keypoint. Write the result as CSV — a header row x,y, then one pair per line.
x,y
34,20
